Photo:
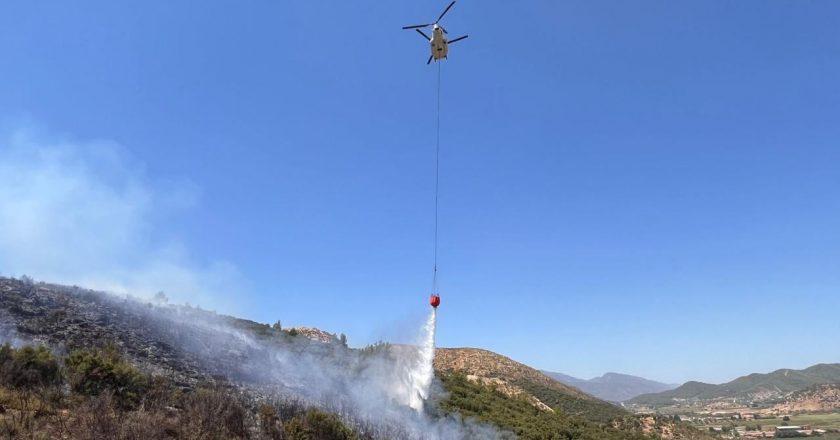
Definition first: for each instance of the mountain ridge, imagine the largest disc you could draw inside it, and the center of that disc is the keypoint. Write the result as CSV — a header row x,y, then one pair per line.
x,y
753,387
613,387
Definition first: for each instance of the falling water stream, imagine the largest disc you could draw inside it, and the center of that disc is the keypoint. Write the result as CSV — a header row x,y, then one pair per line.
x,y
422,372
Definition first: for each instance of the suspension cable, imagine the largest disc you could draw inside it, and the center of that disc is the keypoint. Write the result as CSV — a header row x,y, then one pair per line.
x,y
437,180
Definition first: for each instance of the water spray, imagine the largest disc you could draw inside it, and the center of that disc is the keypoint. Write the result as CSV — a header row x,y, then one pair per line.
x,y
421,375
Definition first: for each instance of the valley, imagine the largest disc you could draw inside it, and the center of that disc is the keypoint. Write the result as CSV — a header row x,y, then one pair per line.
x,y
789,403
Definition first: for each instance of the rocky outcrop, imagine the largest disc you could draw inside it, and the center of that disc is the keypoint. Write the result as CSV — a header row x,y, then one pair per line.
x,y
316,335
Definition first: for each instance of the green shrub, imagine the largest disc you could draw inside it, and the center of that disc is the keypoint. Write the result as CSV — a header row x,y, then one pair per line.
x,y
317,425
28,367
93,372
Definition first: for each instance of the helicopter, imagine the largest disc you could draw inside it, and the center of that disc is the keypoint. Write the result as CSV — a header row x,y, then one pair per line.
x,y
438,41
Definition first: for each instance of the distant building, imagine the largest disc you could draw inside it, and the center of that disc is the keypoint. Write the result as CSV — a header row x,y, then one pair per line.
x,y
758,434
789,431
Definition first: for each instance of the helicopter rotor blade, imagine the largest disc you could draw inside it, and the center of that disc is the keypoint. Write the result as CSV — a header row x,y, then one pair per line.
x,y
417,26
445,11
457,39
430,59
423,34
443,29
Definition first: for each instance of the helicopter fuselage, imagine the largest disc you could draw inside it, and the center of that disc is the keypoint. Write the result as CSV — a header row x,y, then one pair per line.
x,y
440,47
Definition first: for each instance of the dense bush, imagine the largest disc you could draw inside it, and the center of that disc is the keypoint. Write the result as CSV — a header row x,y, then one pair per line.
x,y
28,367
269,420
213,414
317,425
93,372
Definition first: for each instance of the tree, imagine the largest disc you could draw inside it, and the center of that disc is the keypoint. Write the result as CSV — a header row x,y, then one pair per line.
x,y
277,326
161,298
343,339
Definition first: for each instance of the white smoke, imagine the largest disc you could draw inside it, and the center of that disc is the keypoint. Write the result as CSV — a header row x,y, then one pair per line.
x,y
384,391
86,213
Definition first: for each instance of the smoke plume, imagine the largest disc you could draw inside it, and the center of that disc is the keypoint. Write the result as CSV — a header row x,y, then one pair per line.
x,y
84,213
384,390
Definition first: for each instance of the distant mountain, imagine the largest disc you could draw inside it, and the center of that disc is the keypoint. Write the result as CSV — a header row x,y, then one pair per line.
x,y
613,387
755,387
565,378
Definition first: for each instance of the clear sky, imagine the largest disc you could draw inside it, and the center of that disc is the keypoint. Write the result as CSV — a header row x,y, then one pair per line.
x,y
645,187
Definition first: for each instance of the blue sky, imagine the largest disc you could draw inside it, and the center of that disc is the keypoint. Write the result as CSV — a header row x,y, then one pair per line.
x,y
644,187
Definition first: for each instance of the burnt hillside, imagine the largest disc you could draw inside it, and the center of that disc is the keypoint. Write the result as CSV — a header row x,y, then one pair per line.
x,y
185,343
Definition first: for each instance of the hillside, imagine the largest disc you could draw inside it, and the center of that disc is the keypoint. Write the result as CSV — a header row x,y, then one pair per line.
x,y
488,403
501,391
267,382
819,398
613,387
754,387
516,379
497,404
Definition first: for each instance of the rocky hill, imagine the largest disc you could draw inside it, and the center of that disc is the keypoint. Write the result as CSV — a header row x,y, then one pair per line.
x,y
613,387
756,387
